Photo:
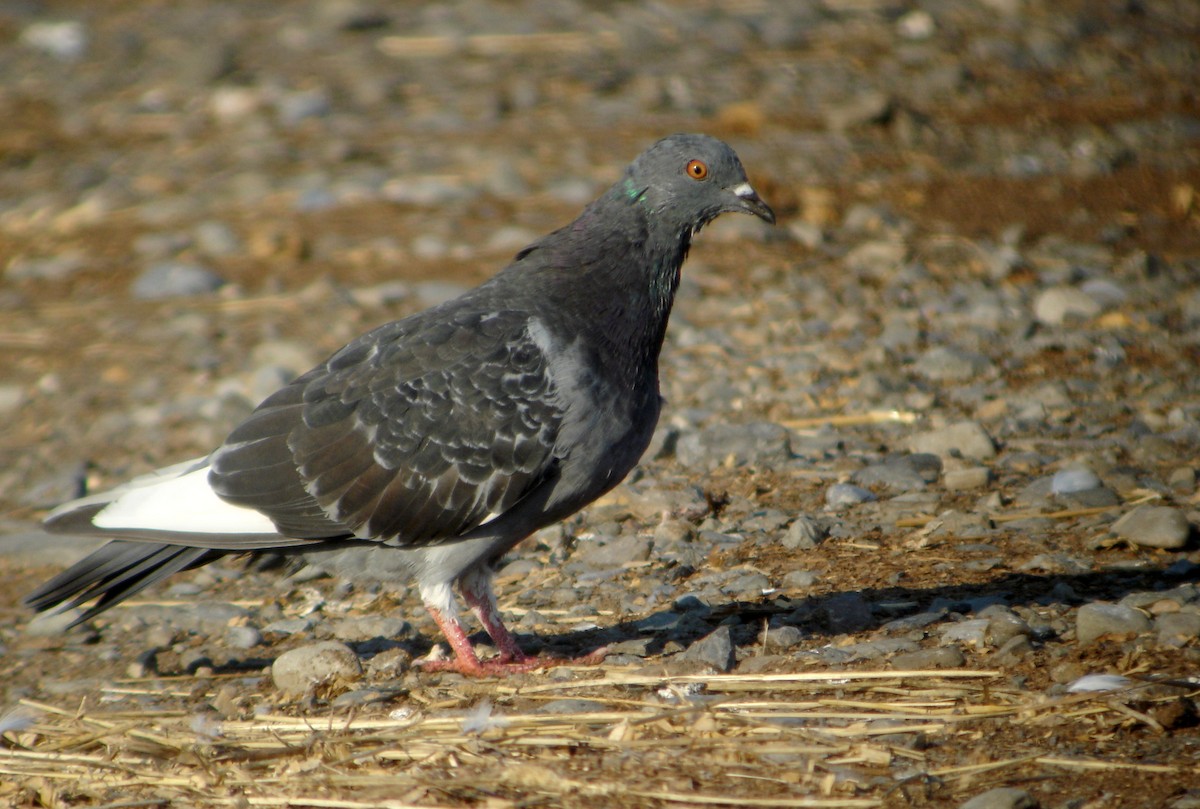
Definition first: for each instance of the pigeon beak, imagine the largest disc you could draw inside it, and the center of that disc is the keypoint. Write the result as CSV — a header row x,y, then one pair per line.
x,y
750,202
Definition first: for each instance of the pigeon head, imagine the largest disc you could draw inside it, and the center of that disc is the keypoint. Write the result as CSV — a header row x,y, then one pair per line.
x,y
686,181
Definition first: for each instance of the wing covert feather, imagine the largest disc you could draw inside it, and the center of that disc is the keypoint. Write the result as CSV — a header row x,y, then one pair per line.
x,y
418,431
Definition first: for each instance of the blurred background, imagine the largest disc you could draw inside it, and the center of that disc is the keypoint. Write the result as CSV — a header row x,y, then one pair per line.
x,y
199,200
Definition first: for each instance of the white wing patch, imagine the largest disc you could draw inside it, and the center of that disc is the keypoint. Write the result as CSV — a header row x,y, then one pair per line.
x,y
182,503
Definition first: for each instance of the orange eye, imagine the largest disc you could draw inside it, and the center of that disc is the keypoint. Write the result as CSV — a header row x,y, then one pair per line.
x,y
696,169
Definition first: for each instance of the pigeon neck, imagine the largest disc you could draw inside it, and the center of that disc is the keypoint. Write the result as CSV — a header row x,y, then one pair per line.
x,y
647,275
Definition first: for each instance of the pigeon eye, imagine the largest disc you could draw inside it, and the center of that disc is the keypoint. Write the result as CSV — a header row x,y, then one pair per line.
x,y
696,169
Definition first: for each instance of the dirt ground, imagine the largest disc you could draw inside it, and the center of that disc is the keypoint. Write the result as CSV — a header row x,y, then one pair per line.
x,y
108,729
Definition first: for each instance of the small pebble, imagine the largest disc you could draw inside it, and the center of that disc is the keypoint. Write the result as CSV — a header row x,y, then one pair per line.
x,y
1177,628
840,495
1014,650
967,439
175,279
1001,798
714,649
940,657
803,534
1095,620
967,478
1074,479
243,637
66,40
1055,306
781,637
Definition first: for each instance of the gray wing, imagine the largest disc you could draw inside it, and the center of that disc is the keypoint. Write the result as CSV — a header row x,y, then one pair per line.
x,y
415,432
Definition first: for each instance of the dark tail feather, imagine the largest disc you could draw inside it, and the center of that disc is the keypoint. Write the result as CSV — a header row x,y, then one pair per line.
x,y
115,572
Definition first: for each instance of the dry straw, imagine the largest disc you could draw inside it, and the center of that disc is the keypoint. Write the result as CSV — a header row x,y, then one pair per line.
x,y
815,739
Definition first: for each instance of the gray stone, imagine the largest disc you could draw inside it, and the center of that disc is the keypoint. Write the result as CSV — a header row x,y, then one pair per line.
x,y
301,670
1154,527
1001,798
1074,479
243,637
893,474
369,627
781,637
973,631
965,438
847,494
175,279
1092,498
289,626
914,621
363,696
1182,480
1004,626
799,579
804,533
1095,620
1014,650
951,364
967,478
1056,305
389,664
614,552
746,585
941,657
753,444
872,649
1177,628
715,649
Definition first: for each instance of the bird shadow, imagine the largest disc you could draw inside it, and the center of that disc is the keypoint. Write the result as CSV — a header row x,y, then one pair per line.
x,y
837,613
819,616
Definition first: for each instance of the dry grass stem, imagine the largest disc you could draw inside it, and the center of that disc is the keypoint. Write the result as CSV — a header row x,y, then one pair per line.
x,y
724,726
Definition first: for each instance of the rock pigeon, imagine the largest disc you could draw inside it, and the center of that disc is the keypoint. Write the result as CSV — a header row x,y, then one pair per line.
x,y
429,447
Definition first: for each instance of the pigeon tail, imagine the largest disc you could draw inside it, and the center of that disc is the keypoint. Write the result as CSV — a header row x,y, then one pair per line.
x,y
113,573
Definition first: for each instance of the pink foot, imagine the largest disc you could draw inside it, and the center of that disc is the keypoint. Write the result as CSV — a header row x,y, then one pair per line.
x,y
511,659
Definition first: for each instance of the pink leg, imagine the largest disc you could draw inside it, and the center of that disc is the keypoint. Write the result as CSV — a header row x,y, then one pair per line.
x,y
477,592
465,659
466,662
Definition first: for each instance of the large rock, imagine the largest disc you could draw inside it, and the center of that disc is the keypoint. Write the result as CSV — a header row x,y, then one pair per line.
x,y
302,670
1098,619
1154,527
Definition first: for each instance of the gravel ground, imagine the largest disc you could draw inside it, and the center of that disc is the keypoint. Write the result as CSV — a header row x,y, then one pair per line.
x,y
946,415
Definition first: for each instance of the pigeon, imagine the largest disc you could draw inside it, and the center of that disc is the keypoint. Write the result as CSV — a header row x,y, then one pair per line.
x,y
429,447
